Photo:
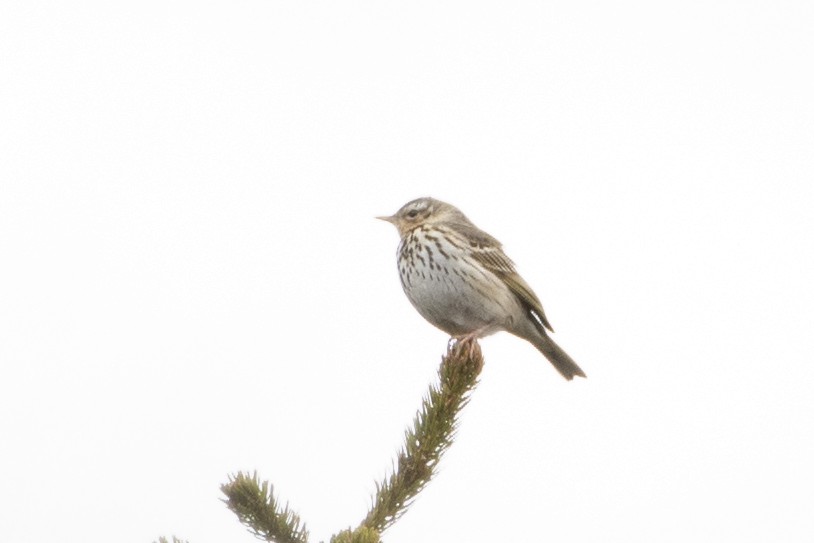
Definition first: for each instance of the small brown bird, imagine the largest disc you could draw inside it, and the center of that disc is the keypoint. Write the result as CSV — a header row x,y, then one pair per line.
x,y
459,279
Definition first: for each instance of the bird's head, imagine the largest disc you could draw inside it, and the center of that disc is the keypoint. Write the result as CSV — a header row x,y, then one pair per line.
x,y
423,211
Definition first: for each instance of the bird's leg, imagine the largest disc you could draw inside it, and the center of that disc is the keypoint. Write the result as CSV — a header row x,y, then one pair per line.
x,y
468,340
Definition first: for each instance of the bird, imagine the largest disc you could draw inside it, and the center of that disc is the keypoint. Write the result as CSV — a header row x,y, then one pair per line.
x,y
460,280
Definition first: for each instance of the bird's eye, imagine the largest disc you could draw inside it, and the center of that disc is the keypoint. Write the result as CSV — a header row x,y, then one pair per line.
x,y
412,213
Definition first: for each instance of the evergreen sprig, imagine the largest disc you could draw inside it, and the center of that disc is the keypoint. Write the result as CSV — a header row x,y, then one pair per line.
x,y
431,435
359,535
255,505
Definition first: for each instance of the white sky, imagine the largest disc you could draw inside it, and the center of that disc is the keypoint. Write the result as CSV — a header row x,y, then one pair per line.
x,y
192,281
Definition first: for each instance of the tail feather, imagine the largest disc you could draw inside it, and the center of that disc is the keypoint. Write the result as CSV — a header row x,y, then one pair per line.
x,y
558,358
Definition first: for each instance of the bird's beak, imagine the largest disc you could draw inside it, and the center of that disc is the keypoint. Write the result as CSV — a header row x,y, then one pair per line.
x,y
391,219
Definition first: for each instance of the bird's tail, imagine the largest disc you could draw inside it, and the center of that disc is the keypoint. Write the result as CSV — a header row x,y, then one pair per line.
x,y
559,358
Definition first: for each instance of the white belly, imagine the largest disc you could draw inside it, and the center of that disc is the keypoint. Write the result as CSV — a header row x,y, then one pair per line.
x,y
454,295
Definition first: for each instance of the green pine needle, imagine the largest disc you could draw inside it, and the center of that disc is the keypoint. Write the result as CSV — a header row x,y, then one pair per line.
x,y
255,505
432,433
360,535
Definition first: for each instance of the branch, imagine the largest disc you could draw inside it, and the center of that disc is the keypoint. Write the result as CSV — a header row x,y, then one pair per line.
x,y
432,433
360,535
256,507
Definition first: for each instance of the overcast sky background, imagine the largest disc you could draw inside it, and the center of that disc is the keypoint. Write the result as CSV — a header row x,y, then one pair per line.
x,y
192,282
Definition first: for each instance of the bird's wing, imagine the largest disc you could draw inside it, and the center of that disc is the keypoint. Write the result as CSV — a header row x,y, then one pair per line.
x,y
523,291
489,253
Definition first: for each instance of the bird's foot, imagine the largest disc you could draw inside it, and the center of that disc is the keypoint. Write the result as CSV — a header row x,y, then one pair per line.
x,y
468,342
